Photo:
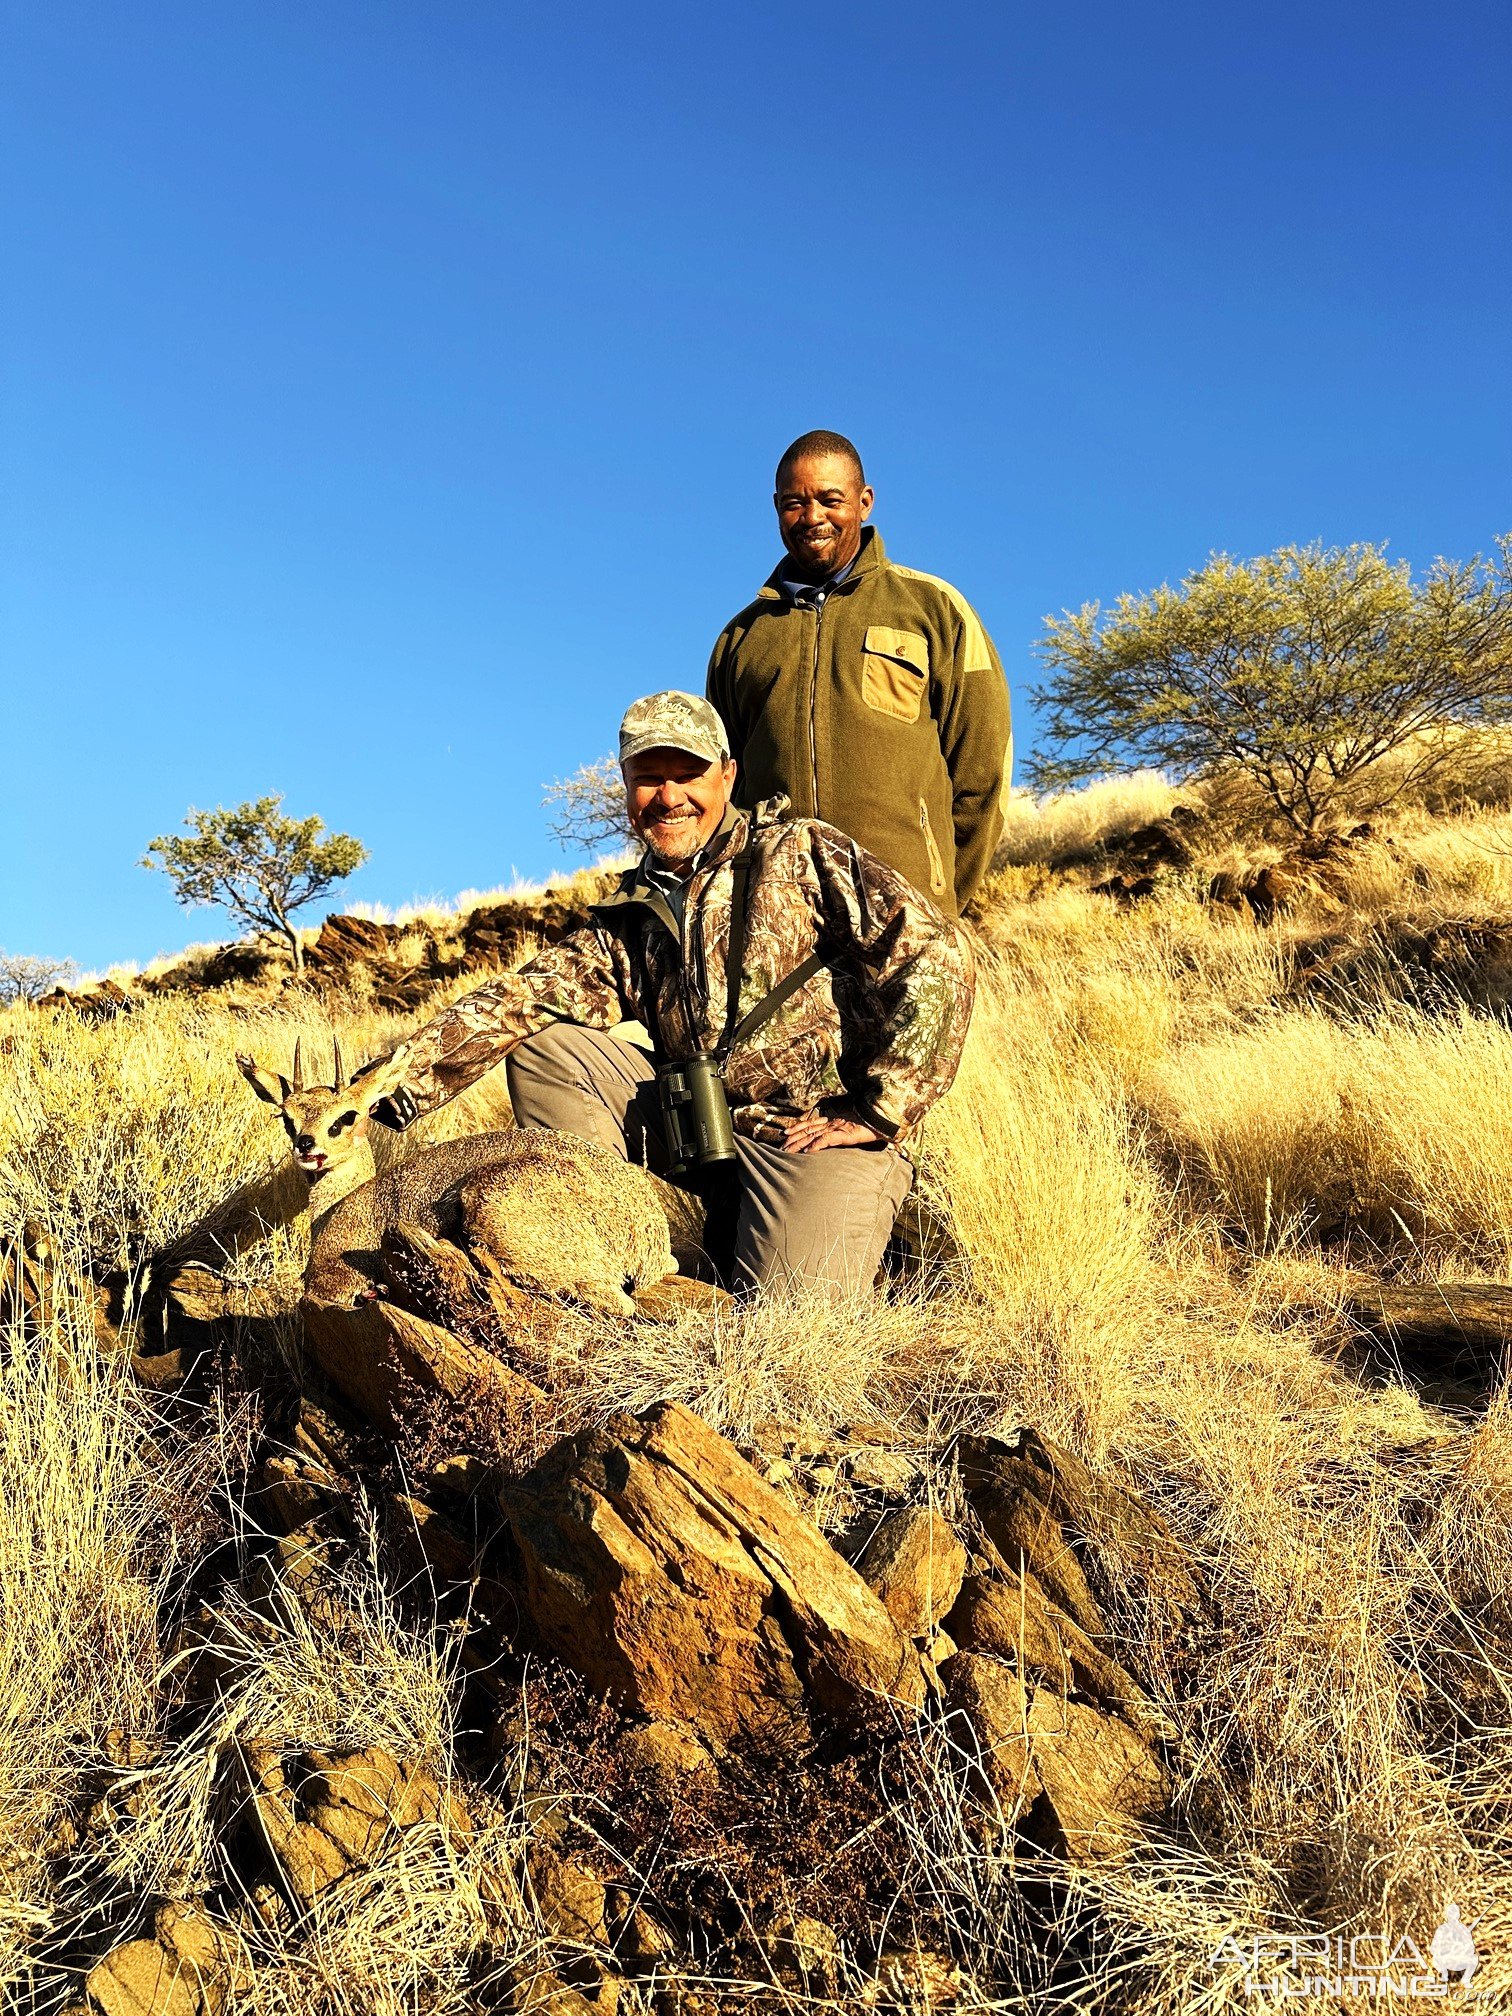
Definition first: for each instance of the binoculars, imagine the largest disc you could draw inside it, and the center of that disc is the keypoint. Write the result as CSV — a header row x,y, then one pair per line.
x,y
695,1114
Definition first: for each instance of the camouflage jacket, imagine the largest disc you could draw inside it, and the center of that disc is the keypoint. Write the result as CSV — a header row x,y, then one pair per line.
x,y
877,1030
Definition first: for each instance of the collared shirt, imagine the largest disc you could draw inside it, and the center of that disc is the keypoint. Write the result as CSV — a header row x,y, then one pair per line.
x,y
668,883
813,594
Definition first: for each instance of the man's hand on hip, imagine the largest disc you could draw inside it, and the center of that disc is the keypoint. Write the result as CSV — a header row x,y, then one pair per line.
x,y
830,1130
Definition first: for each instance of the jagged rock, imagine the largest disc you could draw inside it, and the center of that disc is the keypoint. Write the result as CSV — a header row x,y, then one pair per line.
x,y
379,1357
1011,1498
1162,843
100,1001
195,1293
141,1979
915,1563
915,1979
995,1702
639,1940
458,1568
351,941
1091,1543
940,1648
1310,872
874,1464
1101,1783
289,1492
1126,888
541,1993
431,1539
169,1371
667,1752
1434,966
1016,1622
495,933
347,1811
327,1439
661,1567
1083,1781
242,962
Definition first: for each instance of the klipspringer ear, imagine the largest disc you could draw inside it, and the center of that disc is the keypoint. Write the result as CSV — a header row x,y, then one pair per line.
x,y
266,1084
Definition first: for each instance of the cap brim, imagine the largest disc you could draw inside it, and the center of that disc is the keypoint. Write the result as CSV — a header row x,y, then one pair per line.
x,y
642,743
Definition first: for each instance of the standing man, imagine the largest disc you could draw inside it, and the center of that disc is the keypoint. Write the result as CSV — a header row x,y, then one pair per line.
x,y
868,694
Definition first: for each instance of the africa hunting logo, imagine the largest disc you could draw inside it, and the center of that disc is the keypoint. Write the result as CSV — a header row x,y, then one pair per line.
x,y
1279,1966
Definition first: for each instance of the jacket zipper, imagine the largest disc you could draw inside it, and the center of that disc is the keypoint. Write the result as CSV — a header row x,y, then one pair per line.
x,y
814,711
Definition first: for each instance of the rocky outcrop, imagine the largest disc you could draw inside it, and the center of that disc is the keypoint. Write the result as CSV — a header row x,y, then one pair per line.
x,y
396,966
653,1628
495,934
1312,871
386,1361
1068,1743
1101,1785
660,1566
1441,964
1140,858
994,1702
1015,1621
1096,1548
94,1001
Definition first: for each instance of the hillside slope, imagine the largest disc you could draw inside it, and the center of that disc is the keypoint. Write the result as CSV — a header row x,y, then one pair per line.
x,y
1221,1098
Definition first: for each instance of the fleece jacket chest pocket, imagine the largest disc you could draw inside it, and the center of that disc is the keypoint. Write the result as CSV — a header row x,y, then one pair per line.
x,y
894,671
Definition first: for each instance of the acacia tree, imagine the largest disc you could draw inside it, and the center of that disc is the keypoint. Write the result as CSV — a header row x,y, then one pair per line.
x,y
256,863
1301,669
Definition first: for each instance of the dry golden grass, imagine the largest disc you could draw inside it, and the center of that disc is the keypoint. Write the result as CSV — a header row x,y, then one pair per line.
x,y
1071,823
1161,1167
86,1555
1398,1128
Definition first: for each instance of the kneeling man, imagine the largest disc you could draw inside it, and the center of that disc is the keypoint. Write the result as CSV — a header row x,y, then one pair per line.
x,y
832,997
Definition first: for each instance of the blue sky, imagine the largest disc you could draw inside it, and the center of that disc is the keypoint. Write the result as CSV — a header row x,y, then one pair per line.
x,y
391,392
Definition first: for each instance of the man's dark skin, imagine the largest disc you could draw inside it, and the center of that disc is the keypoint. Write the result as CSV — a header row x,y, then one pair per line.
x,y
822,505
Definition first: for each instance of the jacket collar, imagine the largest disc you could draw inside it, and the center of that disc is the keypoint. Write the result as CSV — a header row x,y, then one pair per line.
x,y
871,559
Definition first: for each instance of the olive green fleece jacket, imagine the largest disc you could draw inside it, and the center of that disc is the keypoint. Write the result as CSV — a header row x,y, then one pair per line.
x,y
884,713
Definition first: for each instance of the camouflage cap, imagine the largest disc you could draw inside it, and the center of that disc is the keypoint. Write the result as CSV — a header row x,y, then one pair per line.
x,y
673,721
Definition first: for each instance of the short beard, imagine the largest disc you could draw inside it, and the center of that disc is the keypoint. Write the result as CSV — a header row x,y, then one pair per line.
x,y
684,838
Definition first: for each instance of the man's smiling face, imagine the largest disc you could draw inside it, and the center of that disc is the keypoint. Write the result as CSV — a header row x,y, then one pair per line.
x,y
822,505
676,801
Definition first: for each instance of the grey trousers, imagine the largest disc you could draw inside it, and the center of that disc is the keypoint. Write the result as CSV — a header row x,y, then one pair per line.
x,y
818,1221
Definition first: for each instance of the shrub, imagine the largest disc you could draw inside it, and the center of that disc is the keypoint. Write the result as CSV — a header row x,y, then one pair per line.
x,y
1301,671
